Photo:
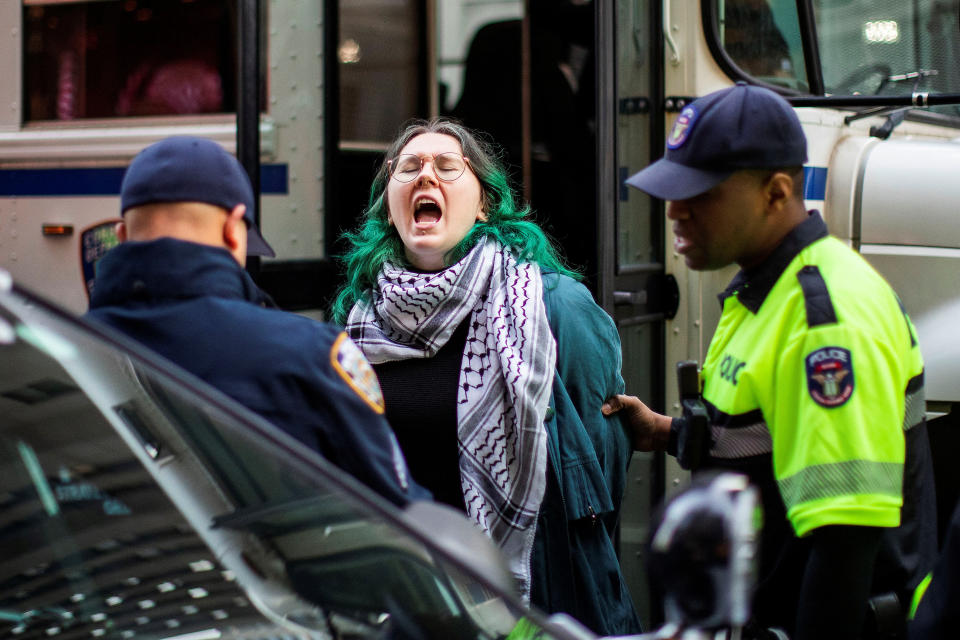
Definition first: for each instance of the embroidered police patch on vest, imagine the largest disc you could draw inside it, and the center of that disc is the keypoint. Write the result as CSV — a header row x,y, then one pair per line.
x,y
830,376
353,367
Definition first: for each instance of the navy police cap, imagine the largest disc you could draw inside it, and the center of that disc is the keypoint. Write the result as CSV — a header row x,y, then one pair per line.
x,y
190,169
741,127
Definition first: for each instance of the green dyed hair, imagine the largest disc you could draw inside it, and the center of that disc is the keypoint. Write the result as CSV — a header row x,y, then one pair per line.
x,y
376,241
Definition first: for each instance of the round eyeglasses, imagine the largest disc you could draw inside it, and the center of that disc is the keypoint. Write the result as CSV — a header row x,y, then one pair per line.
x,y
447,166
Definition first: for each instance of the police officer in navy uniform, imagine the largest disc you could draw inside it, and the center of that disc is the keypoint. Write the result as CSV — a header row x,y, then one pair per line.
x,y
813,381
176,283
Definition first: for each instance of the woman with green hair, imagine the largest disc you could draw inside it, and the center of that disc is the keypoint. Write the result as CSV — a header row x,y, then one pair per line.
x,y
494,362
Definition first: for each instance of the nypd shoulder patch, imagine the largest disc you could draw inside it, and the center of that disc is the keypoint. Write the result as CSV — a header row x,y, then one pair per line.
x,y
830,376
682,126
353,367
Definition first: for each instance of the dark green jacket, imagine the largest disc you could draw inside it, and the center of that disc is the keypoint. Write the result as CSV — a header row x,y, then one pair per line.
x,y
574,563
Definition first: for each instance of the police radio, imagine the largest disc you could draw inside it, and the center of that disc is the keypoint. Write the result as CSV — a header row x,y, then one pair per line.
x,y
693,427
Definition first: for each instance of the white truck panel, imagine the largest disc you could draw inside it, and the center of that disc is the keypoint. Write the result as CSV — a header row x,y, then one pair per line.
x,y
926,280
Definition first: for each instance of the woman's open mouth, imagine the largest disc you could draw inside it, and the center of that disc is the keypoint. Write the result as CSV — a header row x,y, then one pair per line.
x,y
426,211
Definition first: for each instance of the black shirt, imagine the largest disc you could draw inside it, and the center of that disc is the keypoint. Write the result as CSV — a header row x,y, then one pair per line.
x,y
420,396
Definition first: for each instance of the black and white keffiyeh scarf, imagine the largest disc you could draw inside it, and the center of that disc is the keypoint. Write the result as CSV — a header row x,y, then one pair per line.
x,y
506,376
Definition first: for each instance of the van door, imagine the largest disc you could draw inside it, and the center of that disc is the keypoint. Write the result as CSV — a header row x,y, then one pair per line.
x,y
633,285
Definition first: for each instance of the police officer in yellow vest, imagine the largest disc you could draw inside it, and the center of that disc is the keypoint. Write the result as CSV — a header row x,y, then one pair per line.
x,y
813,381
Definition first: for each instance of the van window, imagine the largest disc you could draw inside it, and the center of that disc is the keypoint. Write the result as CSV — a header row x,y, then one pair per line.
x,y
888,46
866,47
762,37
123,58
380,53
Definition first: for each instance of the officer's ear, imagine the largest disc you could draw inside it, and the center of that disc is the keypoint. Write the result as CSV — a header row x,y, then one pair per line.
x,y
777,190
235,233
121,230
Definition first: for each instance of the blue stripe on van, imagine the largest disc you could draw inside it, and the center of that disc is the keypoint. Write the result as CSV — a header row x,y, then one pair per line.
x,y
814,183
273,179
102,181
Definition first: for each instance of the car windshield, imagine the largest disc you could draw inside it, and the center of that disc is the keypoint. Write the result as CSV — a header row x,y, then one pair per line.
x,y
139,503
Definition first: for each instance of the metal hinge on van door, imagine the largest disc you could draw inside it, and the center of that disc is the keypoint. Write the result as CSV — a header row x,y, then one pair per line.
x,y
633,105
675,104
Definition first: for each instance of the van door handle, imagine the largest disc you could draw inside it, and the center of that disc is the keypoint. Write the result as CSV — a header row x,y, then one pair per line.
x,y
668,34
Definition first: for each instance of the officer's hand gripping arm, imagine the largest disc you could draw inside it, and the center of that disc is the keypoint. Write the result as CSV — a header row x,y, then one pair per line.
x,y
647,429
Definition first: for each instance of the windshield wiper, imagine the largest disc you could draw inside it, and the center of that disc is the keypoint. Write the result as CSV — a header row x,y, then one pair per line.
x,y
895,114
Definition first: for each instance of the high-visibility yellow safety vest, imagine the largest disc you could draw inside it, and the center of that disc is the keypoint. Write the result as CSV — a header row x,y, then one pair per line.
x,y
819,366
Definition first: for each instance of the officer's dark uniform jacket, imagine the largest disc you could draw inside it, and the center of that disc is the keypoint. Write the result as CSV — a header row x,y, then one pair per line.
x,y
814,386
196,306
